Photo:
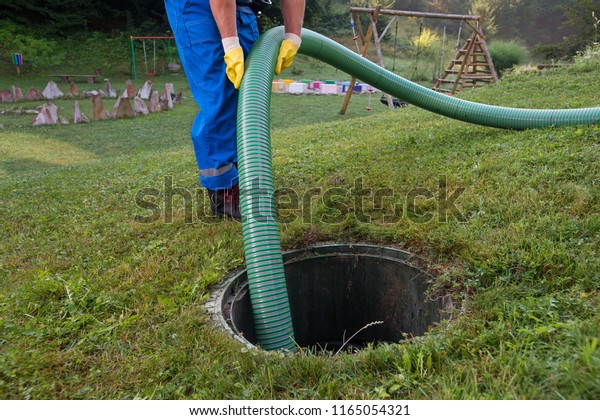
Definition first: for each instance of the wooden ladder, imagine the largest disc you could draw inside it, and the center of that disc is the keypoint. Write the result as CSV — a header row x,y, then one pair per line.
x,y
471,67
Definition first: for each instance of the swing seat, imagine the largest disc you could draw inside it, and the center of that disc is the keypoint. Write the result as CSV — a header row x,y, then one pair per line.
x,y
397,103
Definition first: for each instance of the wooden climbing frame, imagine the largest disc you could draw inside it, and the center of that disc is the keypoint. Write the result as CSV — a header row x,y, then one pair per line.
x,y
471,67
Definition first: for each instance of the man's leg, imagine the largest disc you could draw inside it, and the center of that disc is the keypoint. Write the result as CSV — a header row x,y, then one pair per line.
x,y
214,129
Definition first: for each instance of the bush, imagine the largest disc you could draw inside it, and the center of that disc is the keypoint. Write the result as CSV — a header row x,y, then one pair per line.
x,y
507,54
588,59
37,52
548,52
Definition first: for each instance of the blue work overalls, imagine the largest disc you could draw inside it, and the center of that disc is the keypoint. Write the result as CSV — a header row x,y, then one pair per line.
x,y
201,52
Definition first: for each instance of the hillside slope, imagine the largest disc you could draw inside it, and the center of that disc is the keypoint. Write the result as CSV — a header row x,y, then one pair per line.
x,y
108,252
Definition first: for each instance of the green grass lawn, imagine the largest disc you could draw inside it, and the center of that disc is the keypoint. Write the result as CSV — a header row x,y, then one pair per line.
x,y
95,305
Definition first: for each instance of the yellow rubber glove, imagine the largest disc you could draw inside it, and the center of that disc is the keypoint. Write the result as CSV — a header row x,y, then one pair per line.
x,y
287,52
234,60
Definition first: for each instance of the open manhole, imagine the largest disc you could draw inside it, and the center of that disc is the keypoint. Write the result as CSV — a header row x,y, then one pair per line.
x,y
341,296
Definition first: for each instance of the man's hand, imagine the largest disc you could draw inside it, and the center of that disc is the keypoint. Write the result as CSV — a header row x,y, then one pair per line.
x,y
287,52
234,60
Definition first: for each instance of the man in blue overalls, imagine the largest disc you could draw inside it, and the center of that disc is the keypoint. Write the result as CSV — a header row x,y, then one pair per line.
x,y
213,37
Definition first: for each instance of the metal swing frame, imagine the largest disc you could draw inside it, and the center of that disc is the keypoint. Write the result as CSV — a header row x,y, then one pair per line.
x,y
133,39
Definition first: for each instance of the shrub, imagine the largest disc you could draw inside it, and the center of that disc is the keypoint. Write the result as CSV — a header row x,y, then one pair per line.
x,y
427,42
424,50
588,59
506,54
548,52
37,52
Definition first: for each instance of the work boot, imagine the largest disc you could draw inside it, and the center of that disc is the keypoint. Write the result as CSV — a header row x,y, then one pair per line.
x,y
226,202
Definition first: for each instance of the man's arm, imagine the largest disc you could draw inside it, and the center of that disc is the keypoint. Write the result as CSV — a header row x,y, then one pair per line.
x,y
224,14
293,15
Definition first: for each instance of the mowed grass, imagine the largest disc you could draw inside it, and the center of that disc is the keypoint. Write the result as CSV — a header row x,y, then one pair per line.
x,y
95,304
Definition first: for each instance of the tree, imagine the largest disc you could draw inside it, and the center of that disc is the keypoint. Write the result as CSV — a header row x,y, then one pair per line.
x,y
531,21
64,17
583,15
487,9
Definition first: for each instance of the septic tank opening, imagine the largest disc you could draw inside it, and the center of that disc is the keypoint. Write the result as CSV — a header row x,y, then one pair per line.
x,y
337,291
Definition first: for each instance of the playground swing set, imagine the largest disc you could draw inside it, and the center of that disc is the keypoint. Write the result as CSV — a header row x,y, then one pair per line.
x,y
471,67
172,66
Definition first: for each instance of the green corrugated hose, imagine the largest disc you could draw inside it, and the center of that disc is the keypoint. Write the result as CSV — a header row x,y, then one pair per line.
x,y
262,245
